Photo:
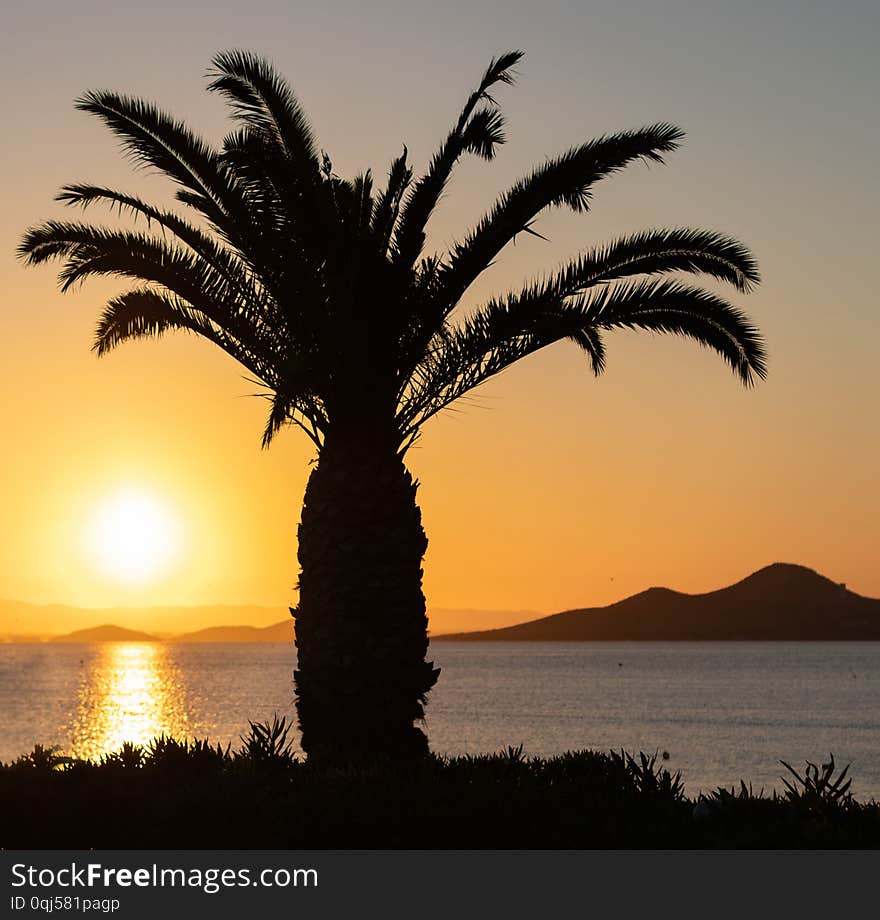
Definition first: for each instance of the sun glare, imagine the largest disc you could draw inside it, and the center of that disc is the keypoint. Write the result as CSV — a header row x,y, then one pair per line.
x,y
133,537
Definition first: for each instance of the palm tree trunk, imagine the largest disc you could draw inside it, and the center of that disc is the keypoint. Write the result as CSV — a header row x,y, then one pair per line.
x,y
361,629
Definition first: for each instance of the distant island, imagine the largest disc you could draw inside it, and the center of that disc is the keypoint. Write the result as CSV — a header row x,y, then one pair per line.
x,y
781,602
106,634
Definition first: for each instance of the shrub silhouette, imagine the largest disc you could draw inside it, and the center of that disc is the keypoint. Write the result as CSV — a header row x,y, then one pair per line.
x,y
178,794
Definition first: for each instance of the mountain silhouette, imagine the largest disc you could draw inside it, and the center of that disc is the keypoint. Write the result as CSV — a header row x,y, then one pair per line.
x,y
24,622
277,632
106,634
779,602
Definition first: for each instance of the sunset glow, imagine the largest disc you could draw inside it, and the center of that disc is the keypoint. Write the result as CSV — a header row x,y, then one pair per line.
x,y
132,537
549,489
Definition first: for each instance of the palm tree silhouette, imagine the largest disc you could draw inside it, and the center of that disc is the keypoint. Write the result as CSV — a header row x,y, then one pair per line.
x,y
319,287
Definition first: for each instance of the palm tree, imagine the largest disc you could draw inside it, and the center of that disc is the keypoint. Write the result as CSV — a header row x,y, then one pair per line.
x,y
320,288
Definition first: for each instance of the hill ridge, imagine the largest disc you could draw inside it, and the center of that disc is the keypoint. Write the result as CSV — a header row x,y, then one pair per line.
x,y
106,633
781,601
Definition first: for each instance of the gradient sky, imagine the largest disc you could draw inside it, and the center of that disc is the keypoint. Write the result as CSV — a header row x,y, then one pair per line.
x,y
550,489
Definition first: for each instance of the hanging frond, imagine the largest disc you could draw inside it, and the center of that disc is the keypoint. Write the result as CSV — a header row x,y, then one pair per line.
x,y
651,252
223,259
680,309
147,313
302,410
488,342
87,250
505,331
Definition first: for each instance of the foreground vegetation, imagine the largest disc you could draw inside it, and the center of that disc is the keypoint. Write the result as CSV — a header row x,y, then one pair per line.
x,y
175,794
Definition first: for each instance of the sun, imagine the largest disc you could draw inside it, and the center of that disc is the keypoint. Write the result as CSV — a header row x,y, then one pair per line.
x,y
133,537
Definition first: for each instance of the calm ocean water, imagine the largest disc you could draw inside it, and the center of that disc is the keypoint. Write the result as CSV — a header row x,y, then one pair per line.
x,y
723,711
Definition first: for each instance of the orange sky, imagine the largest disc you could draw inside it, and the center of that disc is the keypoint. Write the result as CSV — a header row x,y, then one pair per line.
x,y
550,489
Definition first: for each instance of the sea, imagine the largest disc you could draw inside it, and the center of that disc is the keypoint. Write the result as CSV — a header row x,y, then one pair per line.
x,y
719,713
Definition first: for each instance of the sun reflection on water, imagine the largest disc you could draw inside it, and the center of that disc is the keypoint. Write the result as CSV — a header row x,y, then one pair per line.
x,y
132,692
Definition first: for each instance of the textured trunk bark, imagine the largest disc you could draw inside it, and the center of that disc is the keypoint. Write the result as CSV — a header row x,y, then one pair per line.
x,y
361,629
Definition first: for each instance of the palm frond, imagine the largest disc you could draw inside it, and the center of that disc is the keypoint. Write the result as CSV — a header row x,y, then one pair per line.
x,y
477,131
362,203
264,100
154,139
566,180
484,133
591,343
505,331
277,134
500,70
222,258
294,207
680,309
388,203
295,409
148,313
88,250
653,252
486,343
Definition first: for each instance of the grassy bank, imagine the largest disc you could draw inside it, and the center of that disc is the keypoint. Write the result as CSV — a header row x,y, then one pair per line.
x,y
177,794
